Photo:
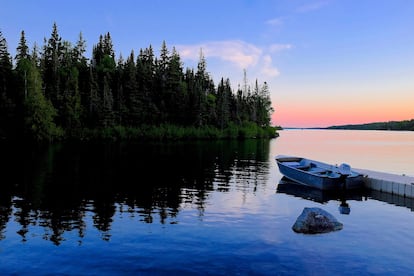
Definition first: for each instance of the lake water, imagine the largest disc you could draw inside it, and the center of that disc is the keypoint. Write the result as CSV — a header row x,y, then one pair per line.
x,y
217,208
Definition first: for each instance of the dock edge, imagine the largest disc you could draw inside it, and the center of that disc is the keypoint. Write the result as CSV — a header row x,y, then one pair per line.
x,y
401,185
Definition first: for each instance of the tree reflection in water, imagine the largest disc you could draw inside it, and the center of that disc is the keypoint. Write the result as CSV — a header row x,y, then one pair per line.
x,y
54,187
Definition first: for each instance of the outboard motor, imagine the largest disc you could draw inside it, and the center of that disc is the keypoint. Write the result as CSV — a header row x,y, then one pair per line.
x,y
345,169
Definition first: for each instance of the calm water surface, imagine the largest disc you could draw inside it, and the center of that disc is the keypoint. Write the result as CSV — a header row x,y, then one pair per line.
x,y
218,208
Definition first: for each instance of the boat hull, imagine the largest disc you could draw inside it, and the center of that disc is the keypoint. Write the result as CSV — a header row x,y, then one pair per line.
x,y
324,177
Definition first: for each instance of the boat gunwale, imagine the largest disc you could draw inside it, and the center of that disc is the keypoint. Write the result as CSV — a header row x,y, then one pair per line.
x,y
280,159
313,173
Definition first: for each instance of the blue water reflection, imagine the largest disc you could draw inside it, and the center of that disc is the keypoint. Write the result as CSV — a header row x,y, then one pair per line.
x,y
185,208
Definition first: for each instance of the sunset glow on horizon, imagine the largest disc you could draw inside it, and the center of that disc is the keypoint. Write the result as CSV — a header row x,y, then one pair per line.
x,y
309,118
302,113
326,62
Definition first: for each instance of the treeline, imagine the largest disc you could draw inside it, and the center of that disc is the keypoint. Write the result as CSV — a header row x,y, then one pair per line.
x,y
55,92
391,125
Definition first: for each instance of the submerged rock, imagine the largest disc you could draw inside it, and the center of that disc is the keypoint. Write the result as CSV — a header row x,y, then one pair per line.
x,y
316,220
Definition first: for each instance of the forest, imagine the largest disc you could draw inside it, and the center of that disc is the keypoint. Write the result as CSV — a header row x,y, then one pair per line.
x,y
391,125
55,93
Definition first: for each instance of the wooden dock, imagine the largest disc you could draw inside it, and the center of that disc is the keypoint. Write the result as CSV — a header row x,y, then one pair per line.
x,y
401,185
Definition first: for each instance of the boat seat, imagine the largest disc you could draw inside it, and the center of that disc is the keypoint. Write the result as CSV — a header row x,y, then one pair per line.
x,y
305,164
317,170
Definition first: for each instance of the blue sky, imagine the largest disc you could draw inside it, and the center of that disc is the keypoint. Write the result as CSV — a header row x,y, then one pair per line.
x,y
326,61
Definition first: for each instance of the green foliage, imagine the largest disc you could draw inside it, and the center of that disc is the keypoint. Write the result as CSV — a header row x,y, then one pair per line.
x,y
173,132
39,111
7,95
22,48
63,95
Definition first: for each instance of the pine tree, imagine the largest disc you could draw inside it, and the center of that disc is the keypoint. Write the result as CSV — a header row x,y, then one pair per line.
x,y
103,62
201,85
176,90
164,60
120,109
70,109
145,78
266,108
108,47
39,112
52,57
202,67
23,65
134,100
94,101
5,68
22,48
81,63
107,115
7,95
79,50
193,109
160,92
223,103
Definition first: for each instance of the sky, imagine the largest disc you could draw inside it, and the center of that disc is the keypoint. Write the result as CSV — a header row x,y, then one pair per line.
x,y
327,62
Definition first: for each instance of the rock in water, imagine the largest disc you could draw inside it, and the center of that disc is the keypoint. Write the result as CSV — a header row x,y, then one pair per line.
x,y
316,220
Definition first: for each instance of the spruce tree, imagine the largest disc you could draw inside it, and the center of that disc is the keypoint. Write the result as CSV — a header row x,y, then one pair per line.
x,y
22,48
201,89
39,111
175,88
94,101
145,78
107,117
70,109
7,95
23,65
103,62
160,93
266,108
52,58
81,63
134,100
193,103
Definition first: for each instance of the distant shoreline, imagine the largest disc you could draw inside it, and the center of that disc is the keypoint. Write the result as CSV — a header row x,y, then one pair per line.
x,y
406,125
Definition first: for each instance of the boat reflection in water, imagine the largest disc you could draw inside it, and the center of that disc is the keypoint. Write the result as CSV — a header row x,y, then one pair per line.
x,y
287,186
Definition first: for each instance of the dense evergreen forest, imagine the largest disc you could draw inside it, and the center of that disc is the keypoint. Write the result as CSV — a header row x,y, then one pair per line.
x,y
55,92
391,125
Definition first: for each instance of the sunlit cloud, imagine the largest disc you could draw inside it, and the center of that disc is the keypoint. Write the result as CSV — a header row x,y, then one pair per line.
x,y
234,56
268,70
239,53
